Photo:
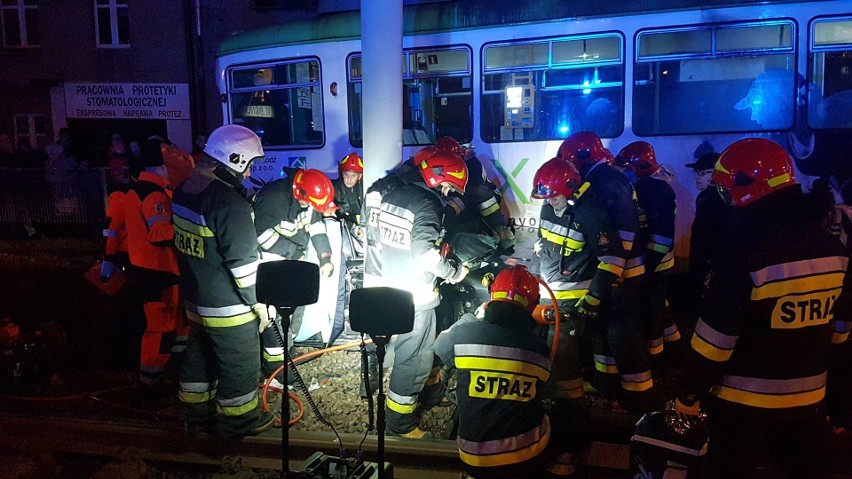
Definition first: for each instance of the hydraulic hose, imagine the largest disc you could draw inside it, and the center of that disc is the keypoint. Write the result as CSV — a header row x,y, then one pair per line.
x,y
557,316
298,359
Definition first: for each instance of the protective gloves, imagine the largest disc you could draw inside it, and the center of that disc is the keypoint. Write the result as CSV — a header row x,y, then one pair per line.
x,y
326,268
107,268
589,306
265,313
460,274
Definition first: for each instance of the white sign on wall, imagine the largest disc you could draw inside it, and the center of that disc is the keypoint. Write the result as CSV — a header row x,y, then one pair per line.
x,y
156,101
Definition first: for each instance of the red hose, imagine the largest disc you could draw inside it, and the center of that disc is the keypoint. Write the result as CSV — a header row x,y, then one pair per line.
x,y
319,352
557,321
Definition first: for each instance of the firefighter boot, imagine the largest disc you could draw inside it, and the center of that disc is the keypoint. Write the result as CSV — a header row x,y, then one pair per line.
x,y
373,372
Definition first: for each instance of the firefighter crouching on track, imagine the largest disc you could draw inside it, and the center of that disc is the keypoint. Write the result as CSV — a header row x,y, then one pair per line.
x,y
409,225
657,210
150,246
502,369
778,298
288,214
611,303
349,197
215,235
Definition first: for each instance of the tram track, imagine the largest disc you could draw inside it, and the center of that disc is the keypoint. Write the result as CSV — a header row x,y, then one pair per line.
x,y
166,442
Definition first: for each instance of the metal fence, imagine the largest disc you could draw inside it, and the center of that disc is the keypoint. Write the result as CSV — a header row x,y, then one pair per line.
x,y
38,196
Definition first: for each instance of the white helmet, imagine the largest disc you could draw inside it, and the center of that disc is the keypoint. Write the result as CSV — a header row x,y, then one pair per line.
x,y
234,146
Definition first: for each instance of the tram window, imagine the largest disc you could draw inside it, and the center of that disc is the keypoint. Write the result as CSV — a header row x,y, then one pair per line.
x,y
752,88
830,74
282,103
437,97
580,88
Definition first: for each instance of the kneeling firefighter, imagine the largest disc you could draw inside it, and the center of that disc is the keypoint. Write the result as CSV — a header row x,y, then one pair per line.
x,y
502,367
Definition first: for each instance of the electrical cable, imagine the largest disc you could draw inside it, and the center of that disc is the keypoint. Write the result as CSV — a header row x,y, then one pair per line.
x,y
300,383
365,377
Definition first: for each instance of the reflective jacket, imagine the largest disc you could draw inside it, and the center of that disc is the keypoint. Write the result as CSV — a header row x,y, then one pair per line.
x,y
215,235
611,192
581,250
283,227
657,210
116,230
477,210
777,299
403,174
409,226
148,217
502,370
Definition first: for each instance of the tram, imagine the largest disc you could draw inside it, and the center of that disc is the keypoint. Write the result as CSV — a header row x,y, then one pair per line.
x,y
512,79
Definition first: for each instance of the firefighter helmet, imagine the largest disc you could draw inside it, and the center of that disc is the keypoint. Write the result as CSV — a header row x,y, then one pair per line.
x,y
234,146
639,157
315,188
583,149
351,162
555,177
450,145
442,167
516,284
752,168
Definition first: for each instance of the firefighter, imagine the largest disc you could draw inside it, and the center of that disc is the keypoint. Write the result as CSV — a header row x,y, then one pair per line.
x,y
777,299
349,197
657,210
288,213
478,209
611,302
502,367
151,249
409,225
215,236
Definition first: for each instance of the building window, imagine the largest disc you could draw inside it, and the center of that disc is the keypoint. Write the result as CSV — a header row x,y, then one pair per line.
x,y
20,19
30,128
112,23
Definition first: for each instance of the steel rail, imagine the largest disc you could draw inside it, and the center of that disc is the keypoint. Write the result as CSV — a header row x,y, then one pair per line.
x,y
165,441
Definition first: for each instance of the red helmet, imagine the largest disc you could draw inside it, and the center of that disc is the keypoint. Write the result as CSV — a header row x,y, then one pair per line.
x,y
315,188
583,148
442,167
555,177
516,284
351,162
753,168
638,156
450,145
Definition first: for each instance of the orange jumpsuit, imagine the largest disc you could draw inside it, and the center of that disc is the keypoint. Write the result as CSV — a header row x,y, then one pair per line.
x,y
150,242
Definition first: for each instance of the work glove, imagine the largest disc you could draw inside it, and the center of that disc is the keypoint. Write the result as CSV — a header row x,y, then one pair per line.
x,y
537,247
461,272
265,313
107,268
326,268
589,306
507,238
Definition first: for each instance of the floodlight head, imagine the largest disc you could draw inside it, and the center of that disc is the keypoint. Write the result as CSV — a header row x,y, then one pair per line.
x,y
287,283
381,311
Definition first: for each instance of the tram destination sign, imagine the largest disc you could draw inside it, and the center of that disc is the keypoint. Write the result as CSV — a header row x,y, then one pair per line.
x,y
156,101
